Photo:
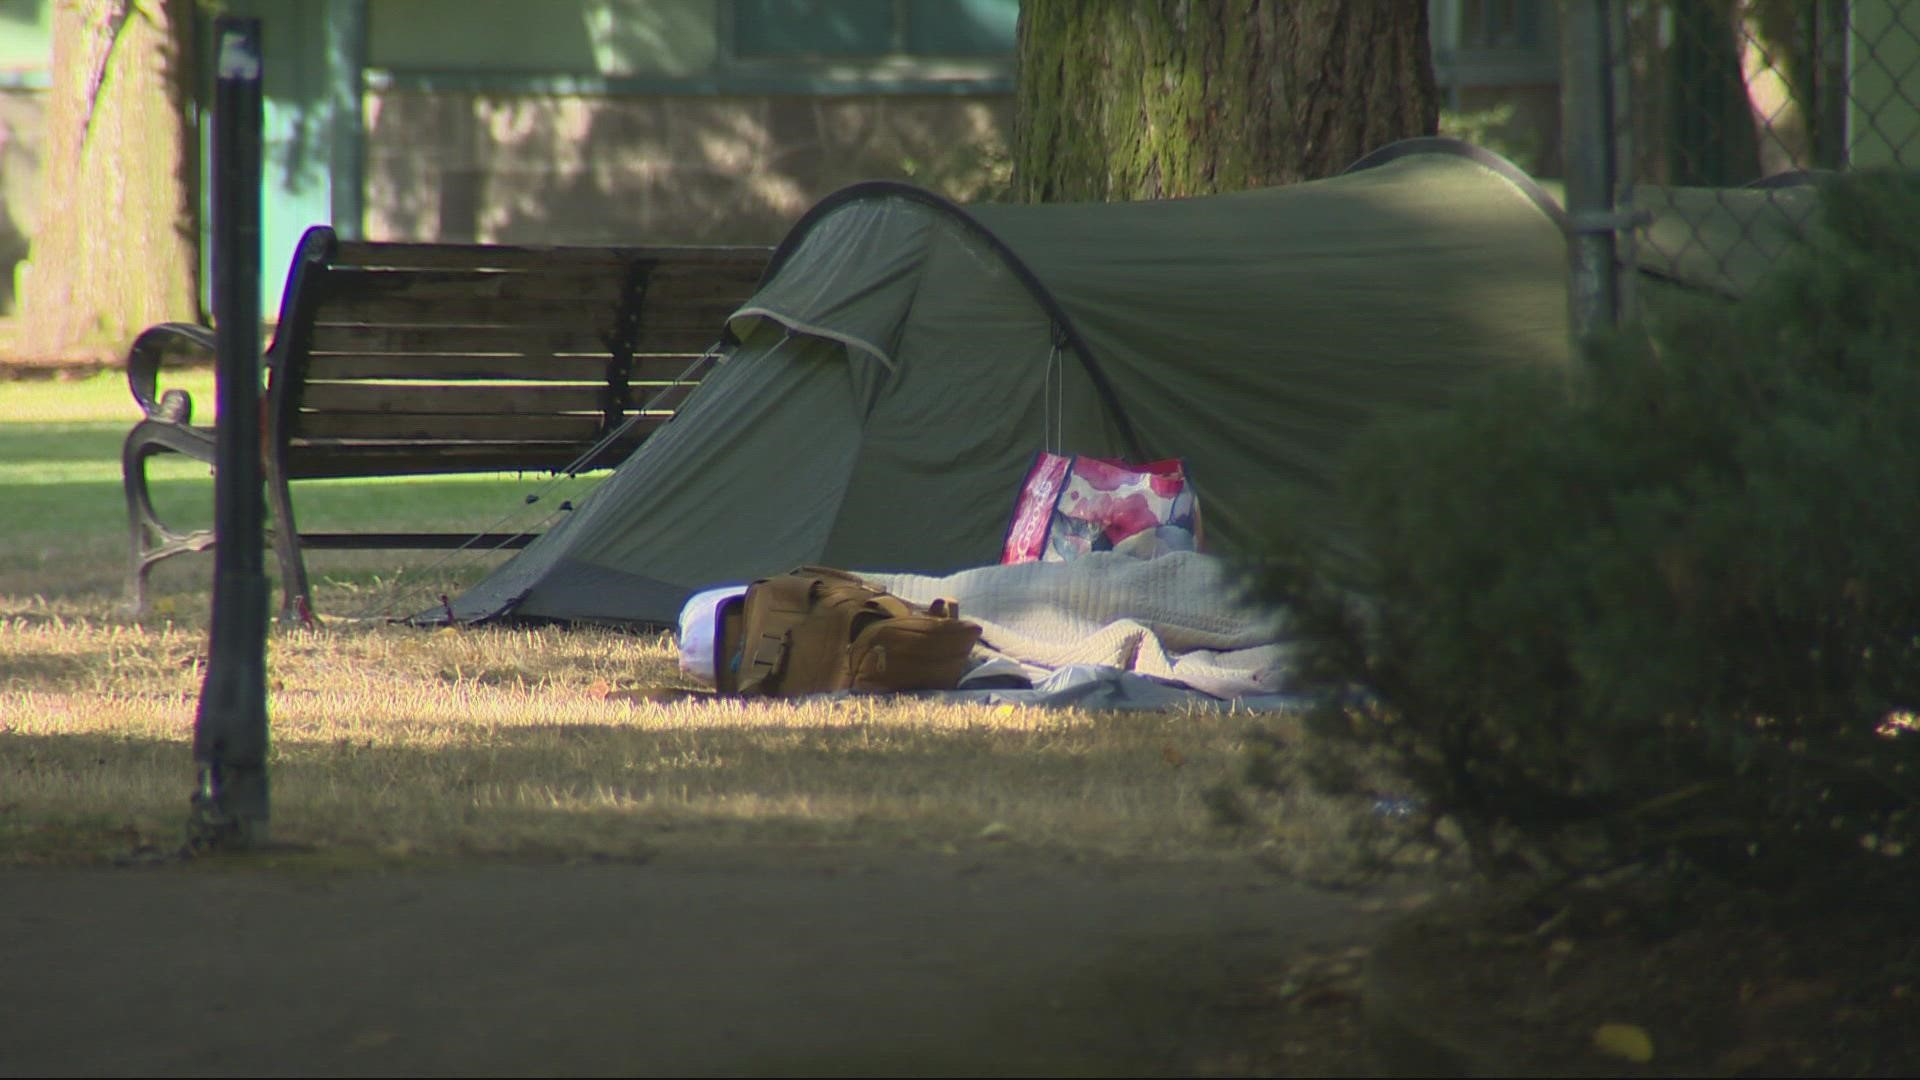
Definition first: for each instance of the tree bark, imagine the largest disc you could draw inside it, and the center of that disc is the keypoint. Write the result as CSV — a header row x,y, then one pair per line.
x,y
114,247
1147,99
1711,140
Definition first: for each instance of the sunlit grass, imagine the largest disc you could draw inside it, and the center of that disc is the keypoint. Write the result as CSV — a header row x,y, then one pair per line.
x,y
96,397
516,741
63,523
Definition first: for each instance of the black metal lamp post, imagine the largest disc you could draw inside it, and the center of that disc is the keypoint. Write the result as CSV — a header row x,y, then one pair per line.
x,y
1593,121
230,730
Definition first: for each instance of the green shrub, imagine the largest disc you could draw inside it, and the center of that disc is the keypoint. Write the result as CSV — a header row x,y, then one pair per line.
x,y
1668,606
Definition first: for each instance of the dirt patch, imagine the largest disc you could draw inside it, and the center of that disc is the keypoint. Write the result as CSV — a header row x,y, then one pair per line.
x,y
1614,982
799,960
762,961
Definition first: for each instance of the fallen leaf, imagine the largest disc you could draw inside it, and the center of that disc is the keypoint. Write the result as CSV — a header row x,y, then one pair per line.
x,y
1628,1041
998,830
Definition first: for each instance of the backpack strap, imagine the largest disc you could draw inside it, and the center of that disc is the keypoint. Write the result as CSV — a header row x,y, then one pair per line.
x,y
774,659
796,634
769,617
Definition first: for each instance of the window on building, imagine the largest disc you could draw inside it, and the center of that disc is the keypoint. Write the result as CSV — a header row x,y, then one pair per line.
x,y
836,28
846,29
1501,24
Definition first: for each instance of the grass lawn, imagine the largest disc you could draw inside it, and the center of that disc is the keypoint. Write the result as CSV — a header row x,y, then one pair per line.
x,y
516,741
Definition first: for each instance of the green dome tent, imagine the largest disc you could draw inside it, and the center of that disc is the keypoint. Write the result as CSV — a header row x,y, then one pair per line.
x,y
904,358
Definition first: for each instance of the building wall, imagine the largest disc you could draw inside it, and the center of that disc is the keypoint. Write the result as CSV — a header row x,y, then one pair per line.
x,y
21,130
677,121
525,168
25,54
668,120
574,37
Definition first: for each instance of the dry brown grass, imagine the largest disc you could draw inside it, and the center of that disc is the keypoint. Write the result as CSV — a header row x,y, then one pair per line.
x,y
505,741
519,742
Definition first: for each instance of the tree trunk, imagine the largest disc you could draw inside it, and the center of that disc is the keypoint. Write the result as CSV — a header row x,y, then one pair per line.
x,y
1711,139
1148,99
114,246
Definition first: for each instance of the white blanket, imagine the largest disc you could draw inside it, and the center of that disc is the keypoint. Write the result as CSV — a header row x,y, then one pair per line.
x,y
1176,617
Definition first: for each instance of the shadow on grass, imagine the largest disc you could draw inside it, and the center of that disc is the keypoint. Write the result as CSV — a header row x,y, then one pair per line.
x,y
613,791
48,669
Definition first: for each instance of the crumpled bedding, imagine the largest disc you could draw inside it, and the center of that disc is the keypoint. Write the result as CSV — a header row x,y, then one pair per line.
x,y
1176,619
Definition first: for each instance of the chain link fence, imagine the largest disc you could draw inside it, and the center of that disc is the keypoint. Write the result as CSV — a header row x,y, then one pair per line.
x,y
1697,131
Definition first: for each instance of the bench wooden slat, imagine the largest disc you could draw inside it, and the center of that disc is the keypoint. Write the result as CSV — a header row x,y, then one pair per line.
x,y
506,340
510,402
507,401
654,397
530,367
405,359
319,463
673,284
425,427
450,433
381,541
427,256
705,316
597,285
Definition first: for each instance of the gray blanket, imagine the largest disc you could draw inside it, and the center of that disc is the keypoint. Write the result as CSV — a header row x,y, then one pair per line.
x,y
1177,618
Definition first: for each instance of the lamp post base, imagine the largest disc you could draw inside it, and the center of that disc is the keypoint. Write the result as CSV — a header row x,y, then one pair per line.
x,y
229,810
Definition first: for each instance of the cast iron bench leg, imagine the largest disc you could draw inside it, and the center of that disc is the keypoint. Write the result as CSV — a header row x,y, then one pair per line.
x,y
296,596
151,540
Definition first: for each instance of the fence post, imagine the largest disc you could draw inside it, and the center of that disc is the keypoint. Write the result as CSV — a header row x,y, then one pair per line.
x,y
1620,119
230,729
1828,27
1587,114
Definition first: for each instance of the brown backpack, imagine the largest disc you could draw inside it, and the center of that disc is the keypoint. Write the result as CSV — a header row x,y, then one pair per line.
x,y
815,630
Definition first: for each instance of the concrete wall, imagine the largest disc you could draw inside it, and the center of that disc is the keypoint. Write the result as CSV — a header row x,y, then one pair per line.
x,y
684,169
667,120
656,120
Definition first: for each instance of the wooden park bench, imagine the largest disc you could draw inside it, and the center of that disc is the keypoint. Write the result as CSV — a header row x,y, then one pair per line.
x,y
405,359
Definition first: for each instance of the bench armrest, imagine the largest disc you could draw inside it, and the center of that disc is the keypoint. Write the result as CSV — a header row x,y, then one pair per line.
x,y
143,368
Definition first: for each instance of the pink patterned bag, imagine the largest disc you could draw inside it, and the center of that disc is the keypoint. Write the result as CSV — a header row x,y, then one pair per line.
x,y
1070,505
